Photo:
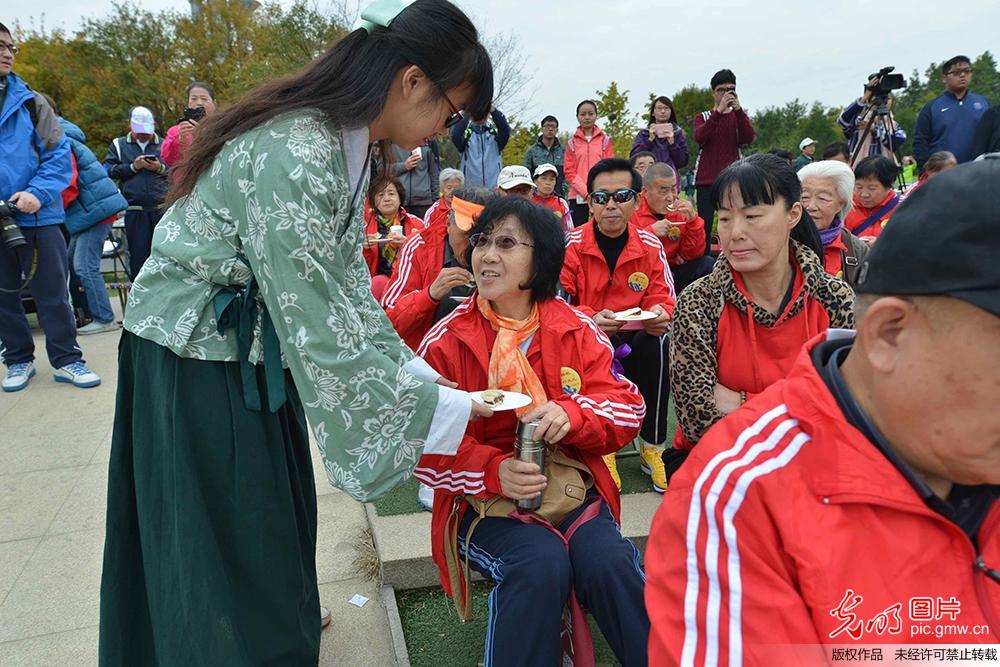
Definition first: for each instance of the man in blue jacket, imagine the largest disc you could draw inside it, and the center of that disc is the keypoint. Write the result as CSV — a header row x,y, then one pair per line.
x,y
481,143
134,161
948,123
35,168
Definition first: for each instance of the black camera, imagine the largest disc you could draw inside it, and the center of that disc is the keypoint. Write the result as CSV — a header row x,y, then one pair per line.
x,y
9,231
885,82
195,114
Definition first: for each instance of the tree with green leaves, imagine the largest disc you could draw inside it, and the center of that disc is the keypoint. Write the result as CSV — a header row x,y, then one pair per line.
x,y
134,56
619,124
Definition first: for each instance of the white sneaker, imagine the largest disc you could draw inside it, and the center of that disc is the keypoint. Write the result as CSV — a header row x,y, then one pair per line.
x,y
78,375
96,327
425,496
324,617
18,376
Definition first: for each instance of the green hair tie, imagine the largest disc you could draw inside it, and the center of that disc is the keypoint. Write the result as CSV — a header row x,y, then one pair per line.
x,y
380,13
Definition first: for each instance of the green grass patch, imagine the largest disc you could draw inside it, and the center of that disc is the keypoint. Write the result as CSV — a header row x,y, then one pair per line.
x,y
435,636
403,498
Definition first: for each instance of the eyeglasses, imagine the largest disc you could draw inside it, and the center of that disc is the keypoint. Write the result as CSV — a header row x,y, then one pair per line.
x,y
13,48
601,197
456,116
965,71
502,242
725,89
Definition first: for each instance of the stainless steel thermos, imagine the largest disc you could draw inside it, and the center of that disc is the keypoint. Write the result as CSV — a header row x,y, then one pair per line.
x,y
531,450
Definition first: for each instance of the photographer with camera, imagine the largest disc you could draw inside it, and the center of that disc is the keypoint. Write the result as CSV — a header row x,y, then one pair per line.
x,y
720,132
948,122
874,106
134,161
200,105
36,168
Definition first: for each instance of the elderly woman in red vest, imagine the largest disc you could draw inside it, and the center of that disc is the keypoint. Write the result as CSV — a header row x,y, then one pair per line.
x,y
738,330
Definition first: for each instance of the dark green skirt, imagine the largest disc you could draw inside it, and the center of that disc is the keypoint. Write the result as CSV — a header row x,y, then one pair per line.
x,y
210,554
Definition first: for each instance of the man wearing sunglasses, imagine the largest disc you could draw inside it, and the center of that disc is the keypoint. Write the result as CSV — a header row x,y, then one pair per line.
x,y
614,267
720,132
855,502
948,122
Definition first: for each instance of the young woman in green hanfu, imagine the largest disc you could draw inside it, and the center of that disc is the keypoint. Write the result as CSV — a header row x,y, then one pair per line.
x,y
253,318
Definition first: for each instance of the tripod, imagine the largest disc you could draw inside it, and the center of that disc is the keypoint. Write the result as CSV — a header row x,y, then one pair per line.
x,y
877,115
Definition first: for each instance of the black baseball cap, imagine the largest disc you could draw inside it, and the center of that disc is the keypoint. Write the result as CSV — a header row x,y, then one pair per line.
x,y
944,240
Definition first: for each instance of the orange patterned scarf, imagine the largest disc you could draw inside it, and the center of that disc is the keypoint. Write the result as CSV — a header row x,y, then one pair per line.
x,y
509,367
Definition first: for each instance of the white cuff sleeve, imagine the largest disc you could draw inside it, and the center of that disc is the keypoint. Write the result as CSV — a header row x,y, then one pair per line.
x,y
451,417
421,370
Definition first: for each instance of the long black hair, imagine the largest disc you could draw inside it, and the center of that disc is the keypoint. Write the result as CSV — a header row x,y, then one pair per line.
x,y
349,83
545,233
762,179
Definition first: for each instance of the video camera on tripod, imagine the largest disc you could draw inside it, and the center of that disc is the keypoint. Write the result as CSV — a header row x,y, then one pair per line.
x,y
880,85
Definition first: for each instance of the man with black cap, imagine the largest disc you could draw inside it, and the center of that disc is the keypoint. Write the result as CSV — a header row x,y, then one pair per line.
x,y
855,501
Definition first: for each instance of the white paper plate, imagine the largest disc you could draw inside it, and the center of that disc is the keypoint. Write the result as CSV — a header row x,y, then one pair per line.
x,y
511,400
641,317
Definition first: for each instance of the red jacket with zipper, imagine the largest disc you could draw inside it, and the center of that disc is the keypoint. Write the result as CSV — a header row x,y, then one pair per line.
x,y
859,214
581,155
407,298
781,509
605,412
411,224
641,278
690,245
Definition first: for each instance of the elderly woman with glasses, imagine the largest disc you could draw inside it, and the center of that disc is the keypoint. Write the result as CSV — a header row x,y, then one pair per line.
x,y
827,196
515,335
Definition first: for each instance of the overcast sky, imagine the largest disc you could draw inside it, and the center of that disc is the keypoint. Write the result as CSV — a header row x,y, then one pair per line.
x,y
779,49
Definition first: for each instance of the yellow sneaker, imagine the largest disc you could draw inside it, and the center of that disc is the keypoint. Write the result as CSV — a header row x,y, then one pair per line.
x,y
609,460
651,463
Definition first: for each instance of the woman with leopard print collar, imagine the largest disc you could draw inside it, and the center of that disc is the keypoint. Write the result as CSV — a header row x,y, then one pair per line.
x,y
738,330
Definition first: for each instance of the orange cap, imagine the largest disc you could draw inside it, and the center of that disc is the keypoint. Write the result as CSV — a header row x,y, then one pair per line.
x,y
465,213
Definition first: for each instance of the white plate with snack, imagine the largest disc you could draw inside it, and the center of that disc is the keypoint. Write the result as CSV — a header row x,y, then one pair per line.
x,y
498,400
634,315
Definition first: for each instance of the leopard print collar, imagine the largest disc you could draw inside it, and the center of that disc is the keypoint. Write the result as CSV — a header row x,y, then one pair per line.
x,y
723,285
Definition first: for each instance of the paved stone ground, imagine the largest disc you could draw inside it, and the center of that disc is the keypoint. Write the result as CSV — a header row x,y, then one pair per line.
x,y
55,441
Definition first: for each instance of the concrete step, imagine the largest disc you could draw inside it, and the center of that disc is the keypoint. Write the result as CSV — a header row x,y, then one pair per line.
x,y
404,546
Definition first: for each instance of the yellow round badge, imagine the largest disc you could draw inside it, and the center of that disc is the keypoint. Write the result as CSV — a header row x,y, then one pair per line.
x,y
570,380
638,281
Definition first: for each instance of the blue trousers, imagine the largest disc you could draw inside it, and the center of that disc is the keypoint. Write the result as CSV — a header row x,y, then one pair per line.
x,y
533,571
85,257
51,295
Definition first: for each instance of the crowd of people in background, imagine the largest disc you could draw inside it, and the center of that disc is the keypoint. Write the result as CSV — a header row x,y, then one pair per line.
x,y
598,286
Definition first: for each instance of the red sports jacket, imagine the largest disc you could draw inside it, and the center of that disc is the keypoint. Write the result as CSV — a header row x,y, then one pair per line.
x,y
572,358
407,299
786,528
437,213
859,214
690,245
411,225
641,277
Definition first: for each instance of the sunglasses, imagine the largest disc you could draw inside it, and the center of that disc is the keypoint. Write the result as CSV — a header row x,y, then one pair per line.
x,y
502,242
601,198
456,116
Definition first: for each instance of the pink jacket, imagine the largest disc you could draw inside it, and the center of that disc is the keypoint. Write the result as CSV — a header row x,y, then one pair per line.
x,y
581,155
173,146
